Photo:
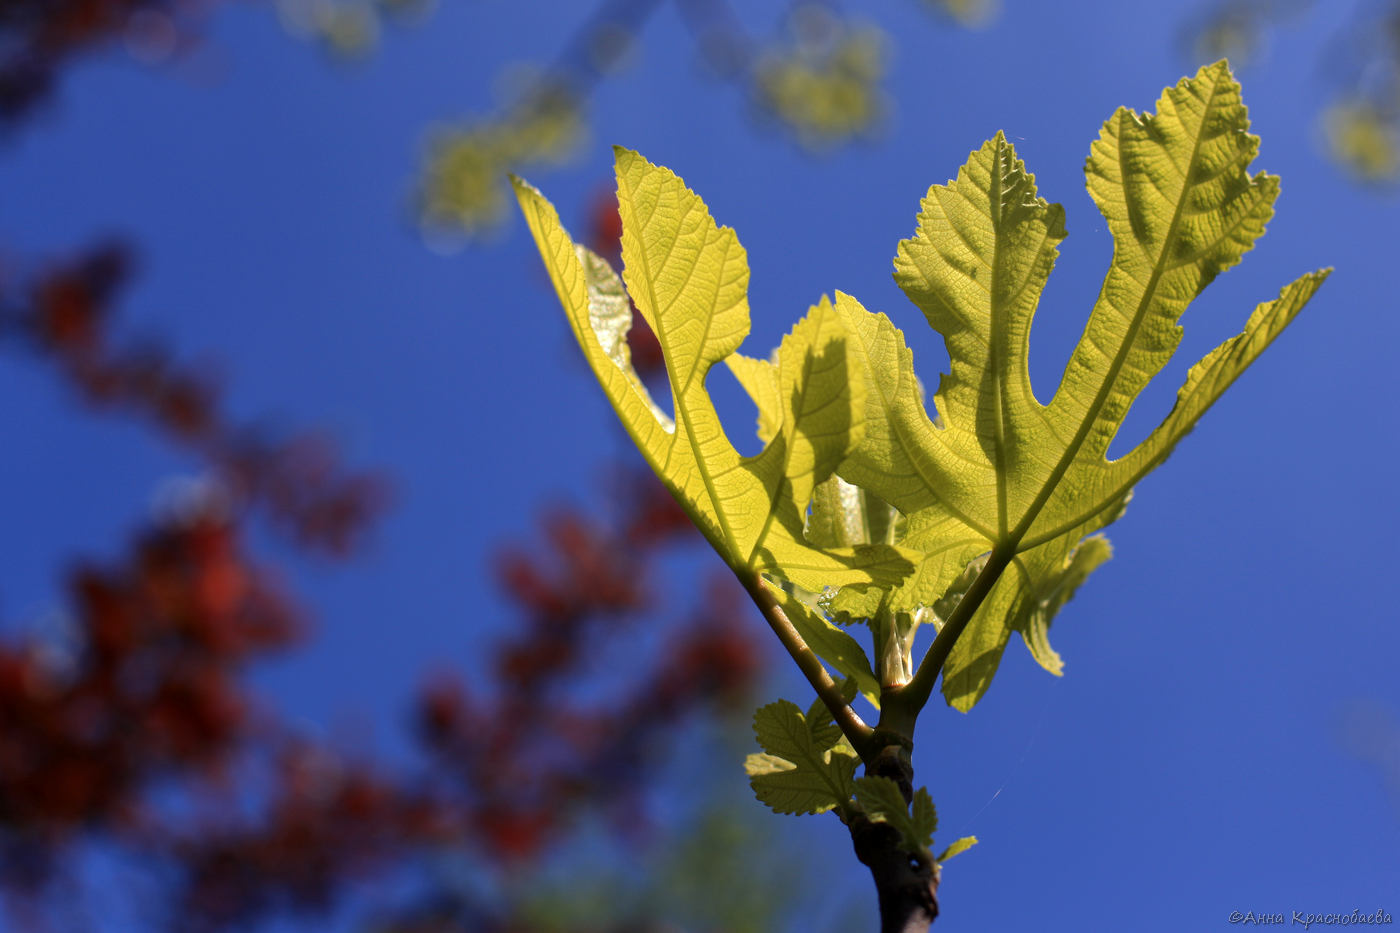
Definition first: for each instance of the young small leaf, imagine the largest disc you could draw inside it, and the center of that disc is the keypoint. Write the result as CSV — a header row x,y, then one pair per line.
x,y
924,817
882,802
805,768
958,847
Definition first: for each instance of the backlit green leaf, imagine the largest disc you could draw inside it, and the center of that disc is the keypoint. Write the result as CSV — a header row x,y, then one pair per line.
x,y
864,505
997,471
844,515
688,277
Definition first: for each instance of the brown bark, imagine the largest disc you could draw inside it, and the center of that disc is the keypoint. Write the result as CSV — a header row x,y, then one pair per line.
x,y
906,883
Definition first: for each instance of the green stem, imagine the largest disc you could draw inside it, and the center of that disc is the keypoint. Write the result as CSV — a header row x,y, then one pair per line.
x,y
852,726
913,697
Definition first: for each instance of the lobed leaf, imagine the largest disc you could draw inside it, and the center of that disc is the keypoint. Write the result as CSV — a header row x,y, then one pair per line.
x,y
688,277
805,766
993,470
861,494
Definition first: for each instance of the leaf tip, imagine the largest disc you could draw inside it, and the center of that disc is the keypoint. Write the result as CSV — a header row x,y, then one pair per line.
x,y
1217,70
624,161
523,188
963,702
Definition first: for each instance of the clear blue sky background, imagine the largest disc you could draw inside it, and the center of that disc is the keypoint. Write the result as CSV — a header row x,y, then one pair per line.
x,y
1189,764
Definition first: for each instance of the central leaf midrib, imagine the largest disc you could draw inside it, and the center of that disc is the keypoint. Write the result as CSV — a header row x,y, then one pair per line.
x,y
1149,292
679,397
1121,486
994,208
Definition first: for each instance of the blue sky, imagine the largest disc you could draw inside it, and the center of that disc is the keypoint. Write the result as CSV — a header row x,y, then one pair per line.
x,y
1190,763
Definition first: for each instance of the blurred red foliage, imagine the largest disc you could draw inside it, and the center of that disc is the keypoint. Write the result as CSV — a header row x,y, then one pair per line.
x,y
61,314
145,699
527,760
148,687
150,694
39,37
507,769
325,824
